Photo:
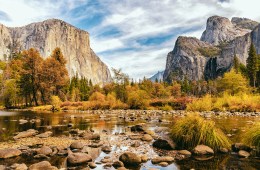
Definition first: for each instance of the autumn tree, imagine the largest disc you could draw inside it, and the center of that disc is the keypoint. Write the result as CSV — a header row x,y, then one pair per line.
x,y
233,83
31,73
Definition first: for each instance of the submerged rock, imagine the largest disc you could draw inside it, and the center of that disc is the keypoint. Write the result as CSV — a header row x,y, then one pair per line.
x,y
44,150
25,134
118,164
130,159
8,153
45,134
78,158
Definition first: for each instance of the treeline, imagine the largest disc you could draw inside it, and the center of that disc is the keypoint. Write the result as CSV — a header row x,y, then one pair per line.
x,y
30,80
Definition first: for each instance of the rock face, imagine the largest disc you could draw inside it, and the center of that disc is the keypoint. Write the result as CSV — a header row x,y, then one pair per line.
x,y
221,29
185,61
230,37
46,36
158,76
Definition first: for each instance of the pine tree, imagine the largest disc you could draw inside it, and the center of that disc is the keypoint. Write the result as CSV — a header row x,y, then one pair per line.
x,y
252,65
236,63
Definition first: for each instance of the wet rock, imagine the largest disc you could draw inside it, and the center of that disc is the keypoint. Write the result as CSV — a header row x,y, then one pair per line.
x,y
243,154
223,150
185,153
25,134
240,146
44,150
23,121
2,167
44,165
8,153
92,165
162,159
106,149
93,152
22,148
137,128
45,134
135,144
147,138
166,144
41,156
77,145
78,158
105,160
118,164
135,137
163,164
130,159
91,136
203,157
203,150
144,158
122,168
19,166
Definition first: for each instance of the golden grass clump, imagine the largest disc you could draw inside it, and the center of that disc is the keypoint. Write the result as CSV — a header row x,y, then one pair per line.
x,y
203,104
193,130
252,137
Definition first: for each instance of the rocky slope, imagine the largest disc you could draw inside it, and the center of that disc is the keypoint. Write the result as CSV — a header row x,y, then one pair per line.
x,y
230,37
158,76
46,36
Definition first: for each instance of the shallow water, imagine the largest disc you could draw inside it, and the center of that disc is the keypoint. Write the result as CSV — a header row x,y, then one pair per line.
x,y
111,122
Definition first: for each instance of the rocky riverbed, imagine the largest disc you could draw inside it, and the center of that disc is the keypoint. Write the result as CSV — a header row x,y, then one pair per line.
x,y
141,142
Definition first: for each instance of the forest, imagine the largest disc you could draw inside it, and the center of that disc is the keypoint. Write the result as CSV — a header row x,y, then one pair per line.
x,y
28,80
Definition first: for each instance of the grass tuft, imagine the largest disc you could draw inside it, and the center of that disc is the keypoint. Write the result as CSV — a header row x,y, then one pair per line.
x,y
252,137
190,131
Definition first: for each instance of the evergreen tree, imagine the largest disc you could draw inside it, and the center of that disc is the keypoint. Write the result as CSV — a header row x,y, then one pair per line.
x,y
236,64
252,65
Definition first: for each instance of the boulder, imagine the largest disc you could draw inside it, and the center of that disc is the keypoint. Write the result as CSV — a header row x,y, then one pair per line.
x,y
25,134
77,145
130,159
2,167
8,153
106,149
163,164
78,158
240,146
147,138
185,153
162,159
19,166
243,154
42,165
92,165
203,150
44,150
166,144
118,164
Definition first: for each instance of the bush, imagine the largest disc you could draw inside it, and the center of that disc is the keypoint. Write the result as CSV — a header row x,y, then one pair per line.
x,y
203,104
166,108
138,99
252,137
193,130
56,103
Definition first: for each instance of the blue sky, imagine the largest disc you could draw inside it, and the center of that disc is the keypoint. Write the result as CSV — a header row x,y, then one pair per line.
x,y
135,35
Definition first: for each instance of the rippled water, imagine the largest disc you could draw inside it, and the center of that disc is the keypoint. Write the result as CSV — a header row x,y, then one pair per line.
x,y
9,124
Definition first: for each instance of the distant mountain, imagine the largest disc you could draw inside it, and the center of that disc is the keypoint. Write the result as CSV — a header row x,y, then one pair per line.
x,y
46,36
158,76
213,54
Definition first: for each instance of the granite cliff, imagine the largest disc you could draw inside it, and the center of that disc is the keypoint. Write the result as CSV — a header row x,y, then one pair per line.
x,y
46,36
229,38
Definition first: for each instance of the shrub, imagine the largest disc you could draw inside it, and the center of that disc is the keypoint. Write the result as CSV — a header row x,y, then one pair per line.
x,y
55,102
190,131
252,137
203,104
138,99
166,108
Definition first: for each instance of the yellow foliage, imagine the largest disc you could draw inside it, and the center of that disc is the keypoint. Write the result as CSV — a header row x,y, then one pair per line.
x,y
55,102
203,104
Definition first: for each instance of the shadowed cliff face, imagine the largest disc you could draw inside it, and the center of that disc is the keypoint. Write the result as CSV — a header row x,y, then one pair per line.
x,y
230,37
46,36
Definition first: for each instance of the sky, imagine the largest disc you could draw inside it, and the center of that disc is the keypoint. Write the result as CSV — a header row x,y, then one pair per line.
x,y
134,35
